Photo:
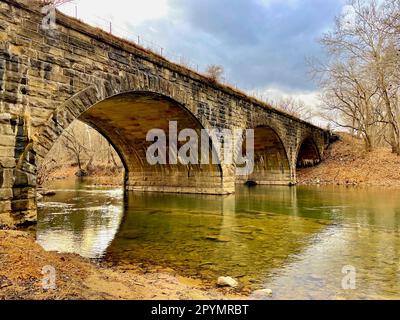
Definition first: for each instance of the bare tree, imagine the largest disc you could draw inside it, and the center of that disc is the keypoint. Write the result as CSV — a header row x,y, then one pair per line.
x,y
360,82
70,141
43,174
215,72
294,107
350,101
82,146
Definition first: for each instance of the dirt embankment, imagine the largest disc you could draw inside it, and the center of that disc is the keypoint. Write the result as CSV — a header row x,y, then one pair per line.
x,y
22,262
347,163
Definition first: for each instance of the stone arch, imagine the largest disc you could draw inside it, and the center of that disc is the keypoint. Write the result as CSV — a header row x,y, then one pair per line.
x,y
271,159
38,146
267,120
308,153
138,112
101,90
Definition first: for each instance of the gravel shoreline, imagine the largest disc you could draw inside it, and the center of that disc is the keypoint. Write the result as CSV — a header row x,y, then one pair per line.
x,y
23,263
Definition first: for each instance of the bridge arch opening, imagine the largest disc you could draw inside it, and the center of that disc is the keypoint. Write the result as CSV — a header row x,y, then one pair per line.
x,y
82,151
125,120
308,155
271,163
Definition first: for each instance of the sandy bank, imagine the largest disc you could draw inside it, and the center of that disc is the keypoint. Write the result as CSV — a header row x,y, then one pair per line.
x,y
22,261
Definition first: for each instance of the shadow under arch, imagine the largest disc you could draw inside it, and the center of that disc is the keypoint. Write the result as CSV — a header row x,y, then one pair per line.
x,y
308,154
127,118
124,120
271,161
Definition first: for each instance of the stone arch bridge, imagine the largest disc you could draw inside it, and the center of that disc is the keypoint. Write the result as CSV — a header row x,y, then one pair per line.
x,y
49,78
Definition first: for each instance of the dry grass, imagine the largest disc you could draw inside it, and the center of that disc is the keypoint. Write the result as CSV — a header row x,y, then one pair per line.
x,y
347,163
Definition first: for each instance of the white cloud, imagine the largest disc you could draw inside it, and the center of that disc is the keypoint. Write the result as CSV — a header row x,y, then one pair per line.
x,y
266,50
310,98
122,13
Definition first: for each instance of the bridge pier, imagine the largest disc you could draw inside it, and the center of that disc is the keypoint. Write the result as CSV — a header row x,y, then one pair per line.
x,y
180,182
17,180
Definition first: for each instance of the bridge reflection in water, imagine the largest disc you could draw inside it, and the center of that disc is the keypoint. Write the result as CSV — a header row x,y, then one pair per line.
x,y
293,240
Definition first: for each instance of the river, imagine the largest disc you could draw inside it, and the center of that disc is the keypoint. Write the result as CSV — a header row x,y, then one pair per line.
x,y
297,241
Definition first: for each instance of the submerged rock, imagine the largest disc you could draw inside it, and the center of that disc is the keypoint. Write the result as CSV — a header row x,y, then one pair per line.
x,y
81,173
208,263
217,239
227,282
250,183
47,193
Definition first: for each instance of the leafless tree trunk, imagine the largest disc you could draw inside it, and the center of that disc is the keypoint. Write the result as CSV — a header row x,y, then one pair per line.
x,y
71,143
360,82
215,72
294,107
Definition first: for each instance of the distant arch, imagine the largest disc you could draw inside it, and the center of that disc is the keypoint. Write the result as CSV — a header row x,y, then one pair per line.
x,y
308,154
271,161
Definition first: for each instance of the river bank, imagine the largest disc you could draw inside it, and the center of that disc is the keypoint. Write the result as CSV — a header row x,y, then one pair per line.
x,y
22,261
99,175
346,163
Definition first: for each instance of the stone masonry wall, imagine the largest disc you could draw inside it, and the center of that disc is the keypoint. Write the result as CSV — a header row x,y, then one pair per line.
x,y
50,78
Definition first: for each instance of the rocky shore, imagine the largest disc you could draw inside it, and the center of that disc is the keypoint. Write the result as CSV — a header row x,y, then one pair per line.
x,y
25,266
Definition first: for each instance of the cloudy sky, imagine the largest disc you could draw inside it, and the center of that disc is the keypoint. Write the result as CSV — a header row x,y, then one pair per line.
x,y
262,44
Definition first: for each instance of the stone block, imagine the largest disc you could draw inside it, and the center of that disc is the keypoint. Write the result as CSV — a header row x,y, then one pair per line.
x,y
23,205
8,178
7,162
5,206
6,194
7,140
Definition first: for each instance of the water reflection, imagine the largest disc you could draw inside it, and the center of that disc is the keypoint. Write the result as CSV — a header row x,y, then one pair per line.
x,y
81,219
292,240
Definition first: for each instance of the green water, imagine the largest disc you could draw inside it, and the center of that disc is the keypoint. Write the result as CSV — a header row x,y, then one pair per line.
x,y
293,240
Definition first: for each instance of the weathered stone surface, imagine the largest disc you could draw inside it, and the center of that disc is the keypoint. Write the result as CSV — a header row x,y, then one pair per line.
x,y
50,78
7,162
7,140
18,206
6,194
5,206
7,178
